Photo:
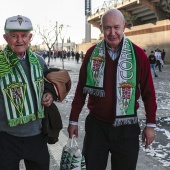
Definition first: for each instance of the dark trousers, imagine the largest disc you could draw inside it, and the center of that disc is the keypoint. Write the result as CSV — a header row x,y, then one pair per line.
x,y
101,139
158,63
33,150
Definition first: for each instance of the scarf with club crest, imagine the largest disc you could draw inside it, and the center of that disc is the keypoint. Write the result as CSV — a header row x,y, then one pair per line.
x,y
126,80
15,89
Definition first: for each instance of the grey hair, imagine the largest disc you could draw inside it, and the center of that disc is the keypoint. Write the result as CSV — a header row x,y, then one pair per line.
x,y
8,31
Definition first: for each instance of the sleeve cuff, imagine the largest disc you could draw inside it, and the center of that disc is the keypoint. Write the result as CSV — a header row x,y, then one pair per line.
x,y
73,123
151,125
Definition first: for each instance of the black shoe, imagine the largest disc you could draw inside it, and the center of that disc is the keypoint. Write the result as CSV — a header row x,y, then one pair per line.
x,y
156,75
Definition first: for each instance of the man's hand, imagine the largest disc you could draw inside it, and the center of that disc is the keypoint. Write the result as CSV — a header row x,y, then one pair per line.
x,y
73,130
148,136
47,99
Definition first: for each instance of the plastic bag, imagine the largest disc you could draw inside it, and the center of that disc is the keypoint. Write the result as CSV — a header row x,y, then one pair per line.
x,y
71,158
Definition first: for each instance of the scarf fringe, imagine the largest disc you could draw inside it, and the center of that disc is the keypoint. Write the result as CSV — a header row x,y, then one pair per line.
x,y
95,92
21,120
125,121
25,119
41,114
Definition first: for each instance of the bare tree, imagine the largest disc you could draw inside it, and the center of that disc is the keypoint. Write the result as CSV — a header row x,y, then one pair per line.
x,y
63,32
49,36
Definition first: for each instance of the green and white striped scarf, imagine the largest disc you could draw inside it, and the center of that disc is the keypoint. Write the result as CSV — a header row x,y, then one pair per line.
x,y
126,80
15,88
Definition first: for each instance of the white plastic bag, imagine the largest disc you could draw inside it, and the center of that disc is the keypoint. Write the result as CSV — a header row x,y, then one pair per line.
x,y
71,158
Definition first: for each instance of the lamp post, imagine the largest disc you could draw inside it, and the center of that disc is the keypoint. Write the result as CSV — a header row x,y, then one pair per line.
x,y
56,35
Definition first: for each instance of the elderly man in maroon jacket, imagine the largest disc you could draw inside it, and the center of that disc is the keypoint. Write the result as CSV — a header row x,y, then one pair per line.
x,y
114,74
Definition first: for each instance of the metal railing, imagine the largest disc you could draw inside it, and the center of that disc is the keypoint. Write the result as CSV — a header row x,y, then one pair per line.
x,y
106,4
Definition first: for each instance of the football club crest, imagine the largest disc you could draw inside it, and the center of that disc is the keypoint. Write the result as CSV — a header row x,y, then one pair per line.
x,y
16,94
125,91
20,20
97,61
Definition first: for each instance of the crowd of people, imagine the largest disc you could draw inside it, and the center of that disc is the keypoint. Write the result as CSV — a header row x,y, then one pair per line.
x,y
157,59
64,54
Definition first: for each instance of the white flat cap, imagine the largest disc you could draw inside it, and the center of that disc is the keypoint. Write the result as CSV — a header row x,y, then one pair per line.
x,y
18,22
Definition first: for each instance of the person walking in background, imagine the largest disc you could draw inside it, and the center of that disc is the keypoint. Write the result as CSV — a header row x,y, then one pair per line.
x,y
22,100
145,51
77,56
82,55
68,55
163,56
61,55
152,60
114,74
72,54
44,54
158,60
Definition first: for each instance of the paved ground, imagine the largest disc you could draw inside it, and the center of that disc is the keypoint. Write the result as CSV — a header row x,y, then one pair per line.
x,y
145,161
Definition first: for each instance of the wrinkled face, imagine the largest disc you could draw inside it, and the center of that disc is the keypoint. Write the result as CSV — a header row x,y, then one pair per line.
x,y
18,41
113,26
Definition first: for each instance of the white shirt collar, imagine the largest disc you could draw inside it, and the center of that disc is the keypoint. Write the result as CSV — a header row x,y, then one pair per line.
x,y
23,58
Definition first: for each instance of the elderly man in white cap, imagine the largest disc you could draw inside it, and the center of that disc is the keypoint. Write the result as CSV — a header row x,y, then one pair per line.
x,y
22,100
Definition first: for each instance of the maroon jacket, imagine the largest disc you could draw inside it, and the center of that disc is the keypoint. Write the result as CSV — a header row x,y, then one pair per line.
x,y
104,108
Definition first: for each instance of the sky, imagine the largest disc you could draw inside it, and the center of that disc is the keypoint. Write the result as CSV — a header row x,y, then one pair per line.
x,y
42,12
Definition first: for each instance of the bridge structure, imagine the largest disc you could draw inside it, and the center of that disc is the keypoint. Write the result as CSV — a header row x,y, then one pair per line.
x,y
136,12
148,22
